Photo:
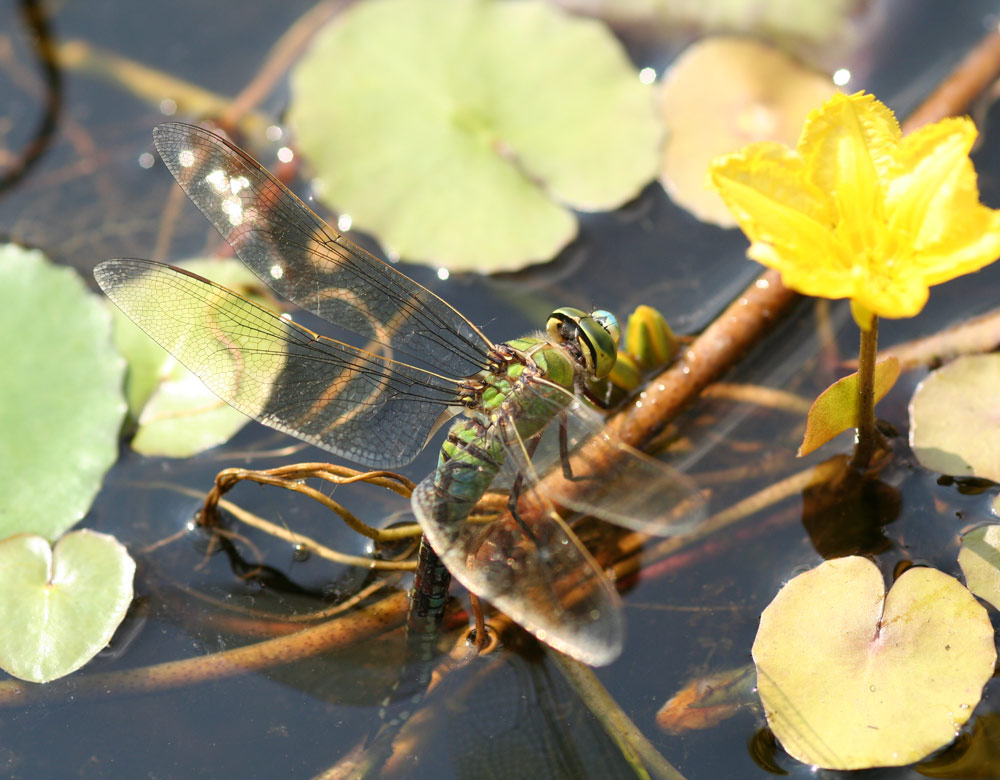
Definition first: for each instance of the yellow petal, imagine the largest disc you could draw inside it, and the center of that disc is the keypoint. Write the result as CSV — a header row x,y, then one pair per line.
x,y
974,245
859,212
876,125
765,187
932,182
847,147
804,270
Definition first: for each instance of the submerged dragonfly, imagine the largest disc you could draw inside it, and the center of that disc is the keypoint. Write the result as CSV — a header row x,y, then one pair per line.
x,y
420,363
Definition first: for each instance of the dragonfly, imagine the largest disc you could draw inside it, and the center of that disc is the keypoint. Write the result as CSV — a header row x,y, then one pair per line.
x,y
524,418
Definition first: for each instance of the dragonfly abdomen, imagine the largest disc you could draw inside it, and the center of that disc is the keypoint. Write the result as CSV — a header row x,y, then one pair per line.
x,y
470,459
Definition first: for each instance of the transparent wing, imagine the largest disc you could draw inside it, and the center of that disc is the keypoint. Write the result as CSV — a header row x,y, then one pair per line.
x,y
349,401
533,568
577,465
308,262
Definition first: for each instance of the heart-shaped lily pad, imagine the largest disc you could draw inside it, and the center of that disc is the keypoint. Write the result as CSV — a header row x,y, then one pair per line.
x,y
980,562
60,606
61,407
852,677
457,131
954,418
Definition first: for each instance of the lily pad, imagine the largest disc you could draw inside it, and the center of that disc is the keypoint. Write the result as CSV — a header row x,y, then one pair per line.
x,y
177,415
812,22
758,93
835,410
955,418
460,132
60,606
980,562
851,677
60,400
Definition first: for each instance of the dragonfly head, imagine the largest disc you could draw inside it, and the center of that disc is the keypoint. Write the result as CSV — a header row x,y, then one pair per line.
x,y
594,337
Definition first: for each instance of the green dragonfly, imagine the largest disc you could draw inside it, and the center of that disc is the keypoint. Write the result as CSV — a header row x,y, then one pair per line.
x,y
417,364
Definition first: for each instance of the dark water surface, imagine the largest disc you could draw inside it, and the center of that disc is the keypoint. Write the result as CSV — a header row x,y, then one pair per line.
x,y
512,715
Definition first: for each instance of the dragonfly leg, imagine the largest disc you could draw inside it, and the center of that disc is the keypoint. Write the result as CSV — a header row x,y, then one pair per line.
x,y
515,495
512,507
567,466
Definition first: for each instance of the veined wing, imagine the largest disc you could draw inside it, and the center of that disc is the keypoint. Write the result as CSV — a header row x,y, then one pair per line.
x,y
607,478
308,262
348,401
534,569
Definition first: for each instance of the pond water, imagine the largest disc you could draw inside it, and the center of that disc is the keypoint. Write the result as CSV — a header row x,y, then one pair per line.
x,y
511,714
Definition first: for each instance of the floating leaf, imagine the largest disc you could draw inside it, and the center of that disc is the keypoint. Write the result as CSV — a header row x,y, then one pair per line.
x,y
59,607
458,131
178,416
60,400
852,677
758,93
835,410
767,19
954,420
980,562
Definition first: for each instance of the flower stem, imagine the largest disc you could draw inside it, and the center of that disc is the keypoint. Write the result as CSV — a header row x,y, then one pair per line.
x,y
869,439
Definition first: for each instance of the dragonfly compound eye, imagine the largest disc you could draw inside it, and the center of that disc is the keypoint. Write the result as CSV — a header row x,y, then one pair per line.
x,y
598,338
563,324
609,322
593,337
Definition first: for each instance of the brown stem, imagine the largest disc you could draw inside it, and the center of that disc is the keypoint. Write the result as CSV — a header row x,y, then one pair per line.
x,y
284,53
349,629
974,73
869,439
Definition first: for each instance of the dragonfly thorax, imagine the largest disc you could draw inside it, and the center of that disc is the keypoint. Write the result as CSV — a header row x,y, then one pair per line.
x,y
591,339
513,367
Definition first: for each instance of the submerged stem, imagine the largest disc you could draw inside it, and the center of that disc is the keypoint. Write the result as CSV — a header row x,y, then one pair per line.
x,y
869,439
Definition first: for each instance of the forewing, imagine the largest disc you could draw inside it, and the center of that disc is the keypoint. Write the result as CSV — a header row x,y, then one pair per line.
x,y
348,401
597,474
306,261
532,568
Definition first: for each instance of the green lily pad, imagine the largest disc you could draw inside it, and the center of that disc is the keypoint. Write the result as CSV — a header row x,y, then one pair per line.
x,y
835,410
980,562
459,131
851,677
955,419
177,415
60,606
60,400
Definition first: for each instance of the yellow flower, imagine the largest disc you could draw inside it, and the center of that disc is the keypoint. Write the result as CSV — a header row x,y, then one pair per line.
x,y
858,211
